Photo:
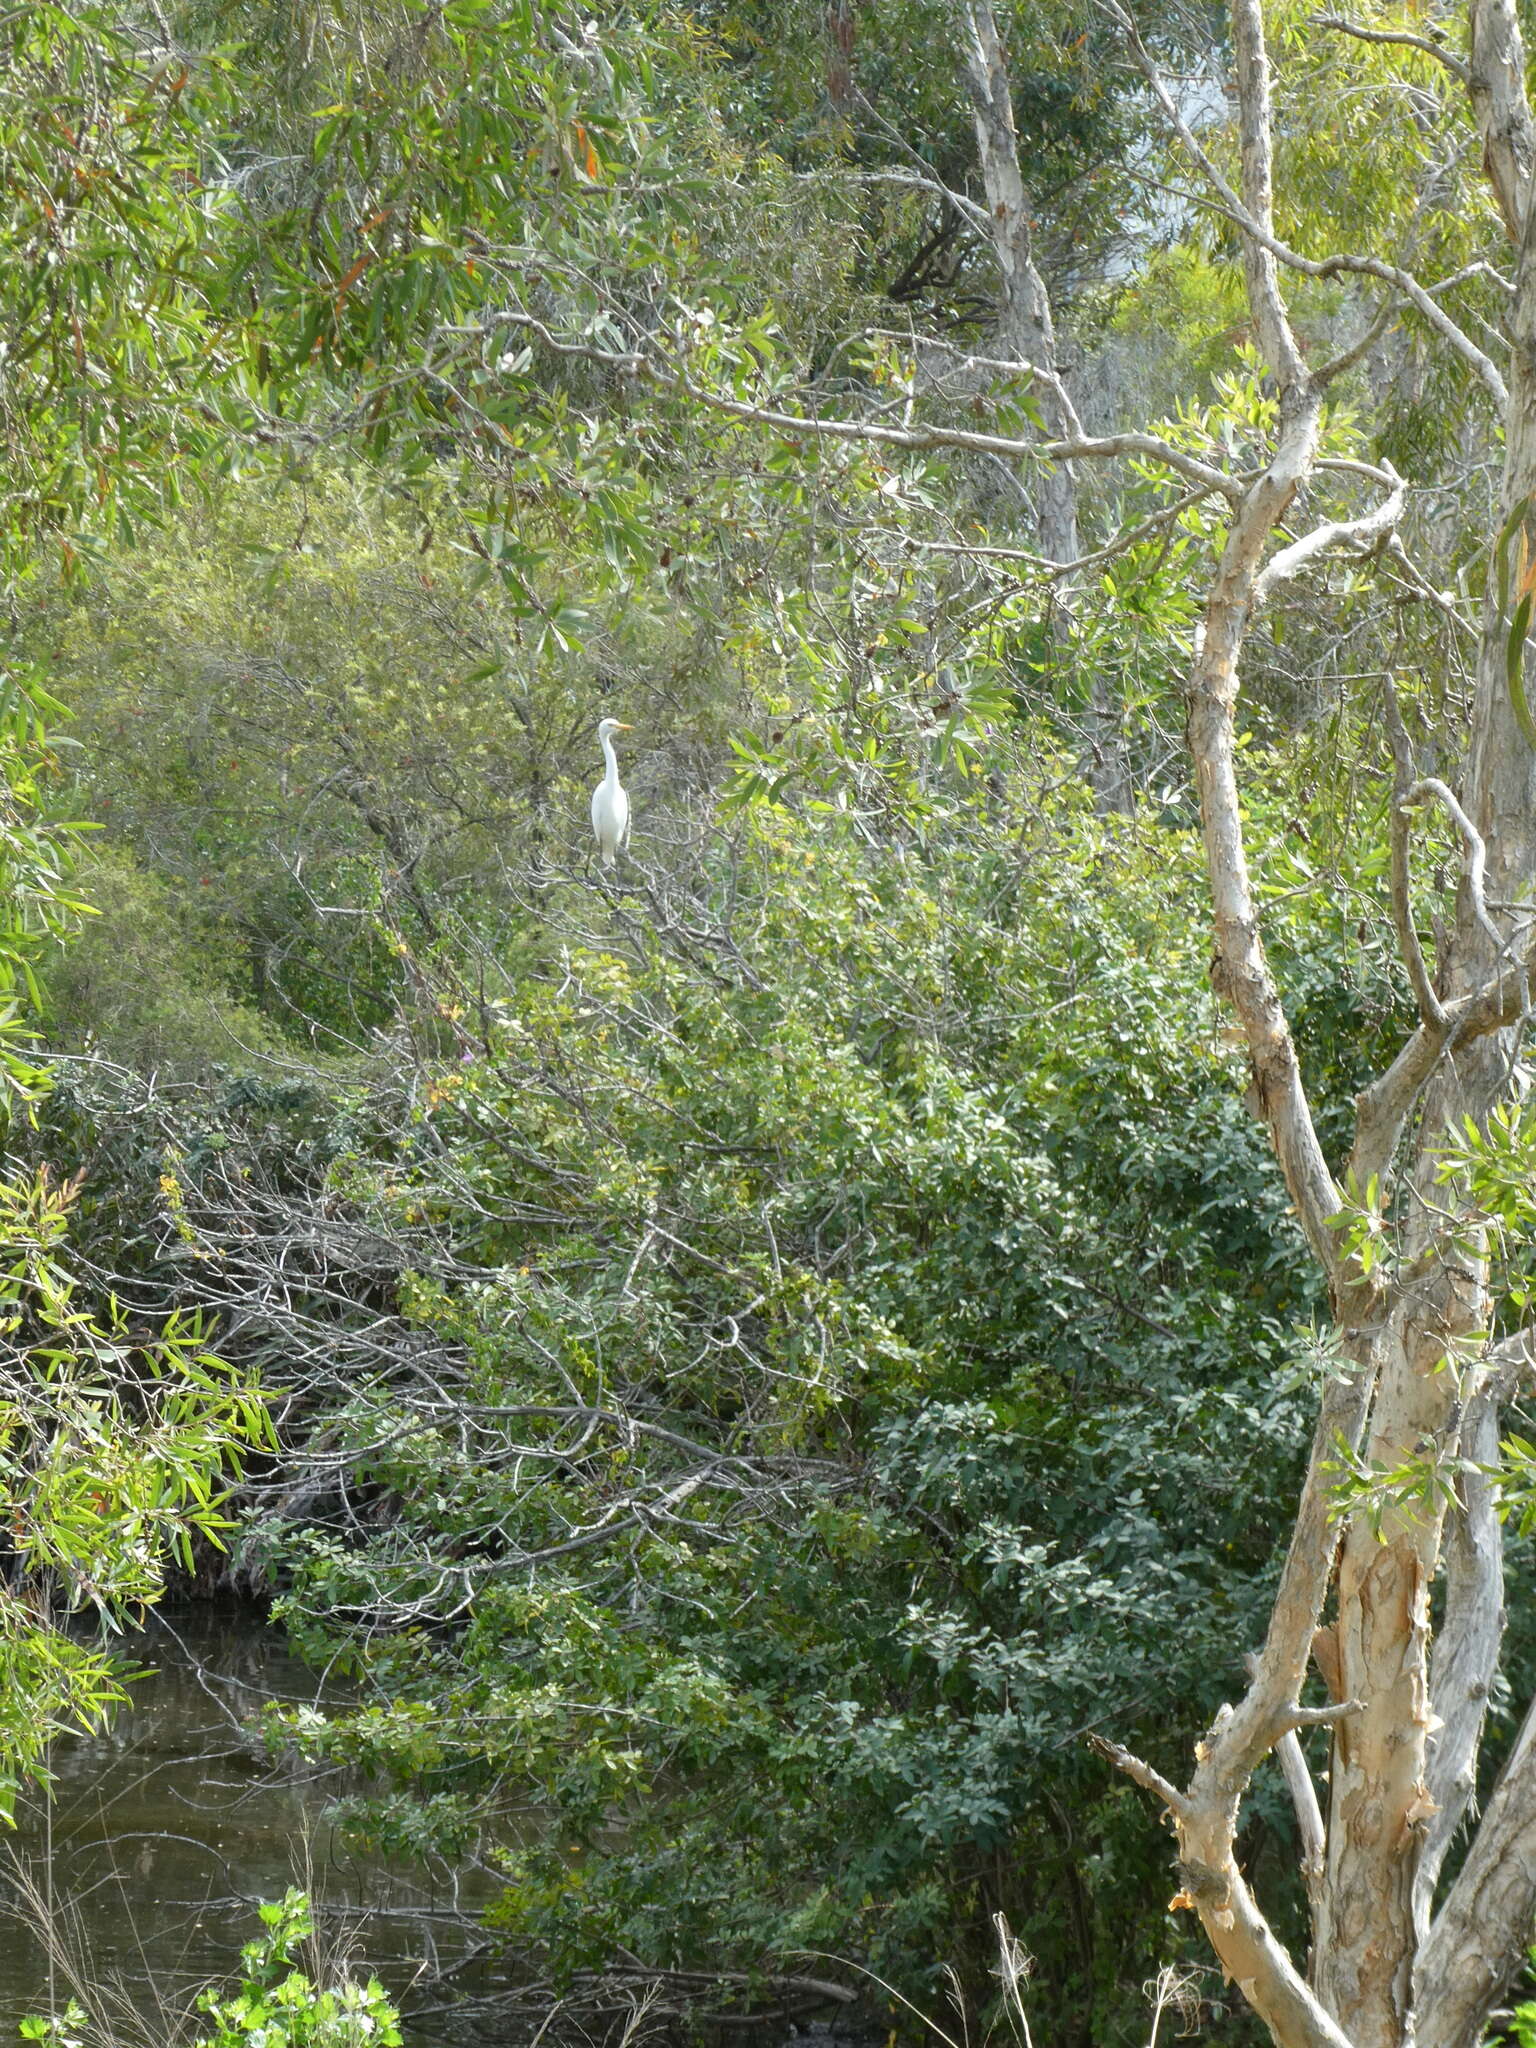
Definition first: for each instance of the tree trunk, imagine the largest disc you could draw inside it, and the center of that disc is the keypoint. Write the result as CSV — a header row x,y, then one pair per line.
x,y
1027,335
1386,1972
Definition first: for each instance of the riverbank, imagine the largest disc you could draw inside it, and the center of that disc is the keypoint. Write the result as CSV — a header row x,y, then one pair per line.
x,y
161,1835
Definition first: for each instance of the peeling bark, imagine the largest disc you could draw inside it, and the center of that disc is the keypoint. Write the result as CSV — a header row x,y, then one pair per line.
x,y
1479,1937
1497,83
1466,1650
1403,1761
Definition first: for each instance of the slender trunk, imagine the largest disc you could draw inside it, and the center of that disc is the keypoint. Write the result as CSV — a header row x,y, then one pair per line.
x,y
1027,334
1481,1934
1465,1654
840,42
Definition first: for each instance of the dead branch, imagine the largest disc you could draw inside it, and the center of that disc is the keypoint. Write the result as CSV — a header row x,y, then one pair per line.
x,y
1140,1773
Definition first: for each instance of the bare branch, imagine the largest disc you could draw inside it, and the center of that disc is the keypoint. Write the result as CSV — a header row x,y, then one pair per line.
x,y
1381,1108
917,182
1347,358
1354,533
1237,1744
1240,971
1496,278
1309,1815
1119,543
1322,1717
1363,34
1105,447
1206,1815
1238,1931
1142,1773
1477,854
1420,297
1422,587
1198,156
1298,1782
1431,1009
1012,367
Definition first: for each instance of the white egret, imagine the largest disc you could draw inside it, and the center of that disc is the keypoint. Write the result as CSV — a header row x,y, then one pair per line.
x,y
610,803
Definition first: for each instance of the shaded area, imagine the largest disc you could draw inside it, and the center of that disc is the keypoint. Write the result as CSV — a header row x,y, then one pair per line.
x,y
167,1830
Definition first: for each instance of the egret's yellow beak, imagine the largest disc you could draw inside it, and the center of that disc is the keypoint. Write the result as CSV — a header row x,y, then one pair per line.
x,y
622,726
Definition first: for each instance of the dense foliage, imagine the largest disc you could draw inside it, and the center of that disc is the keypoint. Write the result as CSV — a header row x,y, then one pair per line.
x,y
901,1318
769,1351
839,1324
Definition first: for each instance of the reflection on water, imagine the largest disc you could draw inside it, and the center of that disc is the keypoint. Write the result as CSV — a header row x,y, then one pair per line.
x,y
164,1832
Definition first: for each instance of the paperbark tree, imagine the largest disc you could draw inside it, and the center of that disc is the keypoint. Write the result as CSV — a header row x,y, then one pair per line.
x,y
1389,1965
1418,1397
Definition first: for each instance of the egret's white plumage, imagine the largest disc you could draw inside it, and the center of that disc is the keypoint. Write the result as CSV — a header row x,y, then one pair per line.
x,y
610,804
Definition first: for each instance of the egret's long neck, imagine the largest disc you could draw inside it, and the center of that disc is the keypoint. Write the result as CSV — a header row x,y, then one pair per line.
x,y
611,779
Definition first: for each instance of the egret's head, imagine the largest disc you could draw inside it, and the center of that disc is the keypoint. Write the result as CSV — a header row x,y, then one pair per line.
x,y
609,726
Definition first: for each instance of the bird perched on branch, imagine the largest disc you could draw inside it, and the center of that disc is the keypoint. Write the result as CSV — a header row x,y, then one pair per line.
x,y
610,804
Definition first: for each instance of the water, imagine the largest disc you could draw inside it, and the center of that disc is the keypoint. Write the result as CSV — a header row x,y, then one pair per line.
x,y
163,1833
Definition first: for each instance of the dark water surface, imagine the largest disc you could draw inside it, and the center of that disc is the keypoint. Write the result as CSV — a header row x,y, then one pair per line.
x,y
164,1832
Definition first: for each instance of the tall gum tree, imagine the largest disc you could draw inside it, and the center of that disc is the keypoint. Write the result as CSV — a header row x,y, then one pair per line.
x,y
1026,330
1389,1964
1025,341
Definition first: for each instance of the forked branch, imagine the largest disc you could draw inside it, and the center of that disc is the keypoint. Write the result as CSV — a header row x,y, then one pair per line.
x,y
1355,534
1257,227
